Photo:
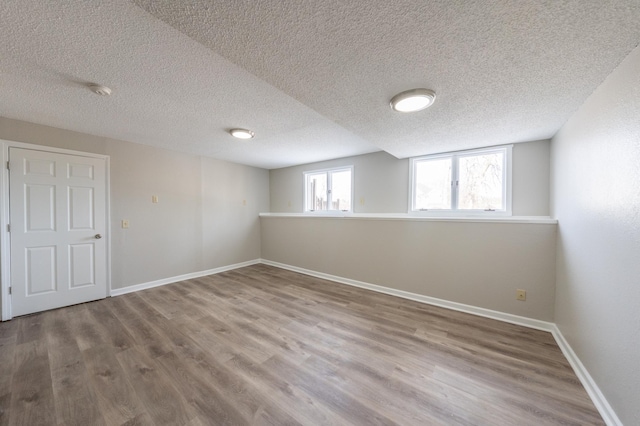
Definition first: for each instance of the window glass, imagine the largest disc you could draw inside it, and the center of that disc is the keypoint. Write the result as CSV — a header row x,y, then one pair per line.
x,y
341,190
480,180
317,191
433,184
328,190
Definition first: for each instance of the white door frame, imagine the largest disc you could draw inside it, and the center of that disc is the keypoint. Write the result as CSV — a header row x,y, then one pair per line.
x,y
5,241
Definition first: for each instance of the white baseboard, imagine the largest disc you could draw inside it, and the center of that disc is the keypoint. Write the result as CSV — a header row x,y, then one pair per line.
x,y
488,313
603,407
165,281
601,403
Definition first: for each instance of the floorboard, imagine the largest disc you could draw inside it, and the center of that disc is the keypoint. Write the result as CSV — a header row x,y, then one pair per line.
x,y
265,346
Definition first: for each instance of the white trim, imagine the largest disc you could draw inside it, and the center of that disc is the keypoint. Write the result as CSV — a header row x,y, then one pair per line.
x,y
170,280
604,408
487,313
404,216
108,221
5,247
5,257
45,148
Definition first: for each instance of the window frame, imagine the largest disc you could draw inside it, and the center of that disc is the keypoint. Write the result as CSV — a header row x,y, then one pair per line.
x,y
328,172
507,176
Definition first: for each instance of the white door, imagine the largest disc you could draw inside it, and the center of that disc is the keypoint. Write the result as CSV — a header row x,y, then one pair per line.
x,y
57,222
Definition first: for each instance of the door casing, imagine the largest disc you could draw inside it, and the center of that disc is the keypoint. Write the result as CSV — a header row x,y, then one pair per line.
x,y
5,248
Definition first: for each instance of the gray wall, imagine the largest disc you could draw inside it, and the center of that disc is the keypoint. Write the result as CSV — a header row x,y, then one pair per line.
x,y
596,198
207,215
479,264
382,182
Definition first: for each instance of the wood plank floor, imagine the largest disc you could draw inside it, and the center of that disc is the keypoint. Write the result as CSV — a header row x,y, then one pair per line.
x,y
261,345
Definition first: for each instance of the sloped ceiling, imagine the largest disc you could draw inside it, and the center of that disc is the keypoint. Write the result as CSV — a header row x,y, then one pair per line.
x,y
313,79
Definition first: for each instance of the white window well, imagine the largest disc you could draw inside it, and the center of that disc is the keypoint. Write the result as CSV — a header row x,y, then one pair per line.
x,y
464,183
329,190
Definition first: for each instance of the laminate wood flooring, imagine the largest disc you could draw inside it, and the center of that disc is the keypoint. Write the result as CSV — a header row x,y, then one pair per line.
x,y
262,345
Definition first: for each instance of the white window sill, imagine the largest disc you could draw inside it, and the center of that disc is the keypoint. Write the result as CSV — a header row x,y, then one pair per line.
x,y
408,217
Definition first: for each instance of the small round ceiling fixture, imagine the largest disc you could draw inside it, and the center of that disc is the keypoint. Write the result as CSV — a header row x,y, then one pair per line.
x,y
100,90
242,133
413,100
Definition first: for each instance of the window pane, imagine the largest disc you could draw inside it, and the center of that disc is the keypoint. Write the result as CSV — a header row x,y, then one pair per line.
x,y
433,184
341,190
480,181
317,191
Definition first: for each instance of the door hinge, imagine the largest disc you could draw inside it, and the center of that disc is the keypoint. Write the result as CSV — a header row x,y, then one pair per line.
x,y
9,290
8,228
8,167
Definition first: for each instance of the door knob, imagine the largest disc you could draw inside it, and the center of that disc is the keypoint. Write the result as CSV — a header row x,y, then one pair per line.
x,y
98,236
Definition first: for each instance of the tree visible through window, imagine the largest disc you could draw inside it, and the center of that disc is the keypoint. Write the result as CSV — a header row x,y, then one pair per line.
x,y
465,181
480,181
327,190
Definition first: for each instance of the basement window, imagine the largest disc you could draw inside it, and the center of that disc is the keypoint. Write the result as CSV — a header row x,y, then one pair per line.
x,y
464,183
328,190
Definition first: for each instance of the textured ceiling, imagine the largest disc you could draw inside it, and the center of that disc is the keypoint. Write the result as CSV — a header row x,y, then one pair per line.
x,y
312,78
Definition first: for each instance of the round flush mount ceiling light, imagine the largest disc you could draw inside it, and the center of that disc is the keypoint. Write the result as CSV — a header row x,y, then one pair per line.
x,y
242,133
413,100
100,90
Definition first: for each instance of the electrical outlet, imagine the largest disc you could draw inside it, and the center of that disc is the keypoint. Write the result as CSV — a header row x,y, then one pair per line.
x,y
521,295
154,199
125,224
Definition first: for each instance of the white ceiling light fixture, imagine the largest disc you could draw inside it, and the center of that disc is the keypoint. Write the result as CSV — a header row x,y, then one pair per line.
x,y
242,133
413,100
100,90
